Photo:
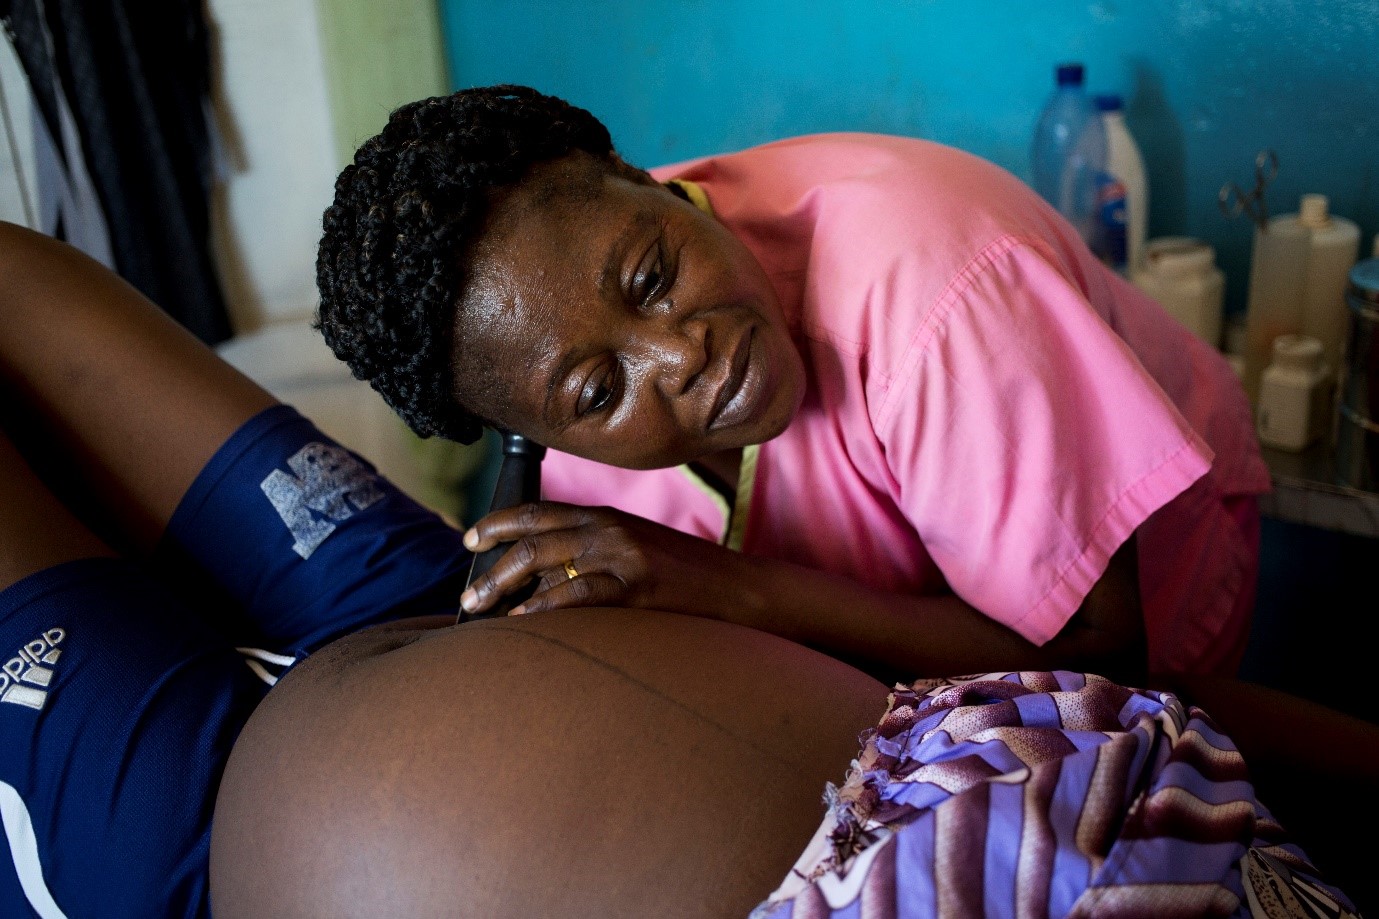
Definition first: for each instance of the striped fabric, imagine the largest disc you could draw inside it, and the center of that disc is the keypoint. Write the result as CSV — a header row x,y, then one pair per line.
x,y
1047,794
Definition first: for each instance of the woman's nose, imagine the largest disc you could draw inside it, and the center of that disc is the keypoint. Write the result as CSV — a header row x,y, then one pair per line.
x,y
678,350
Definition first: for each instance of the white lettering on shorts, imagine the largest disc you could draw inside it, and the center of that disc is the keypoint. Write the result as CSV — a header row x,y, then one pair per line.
x,y
328,486
25,678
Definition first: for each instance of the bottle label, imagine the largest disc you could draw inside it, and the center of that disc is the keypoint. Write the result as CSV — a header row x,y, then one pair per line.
x,y
1109,240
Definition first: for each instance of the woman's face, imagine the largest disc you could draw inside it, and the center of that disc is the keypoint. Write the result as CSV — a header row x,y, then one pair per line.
x,y
620,323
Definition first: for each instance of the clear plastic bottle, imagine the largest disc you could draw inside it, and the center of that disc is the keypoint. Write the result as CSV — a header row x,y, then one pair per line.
x,y
1068,155
1124,227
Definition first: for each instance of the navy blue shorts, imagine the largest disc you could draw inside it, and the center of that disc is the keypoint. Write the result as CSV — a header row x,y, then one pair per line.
x,y
125,684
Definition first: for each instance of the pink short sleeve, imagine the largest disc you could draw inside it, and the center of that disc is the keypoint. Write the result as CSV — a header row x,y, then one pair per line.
x,y
1027,441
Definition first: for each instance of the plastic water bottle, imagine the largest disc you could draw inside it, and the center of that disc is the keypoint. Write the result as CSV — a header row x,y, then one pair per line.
x,y
1069,152
1125,198
1059,125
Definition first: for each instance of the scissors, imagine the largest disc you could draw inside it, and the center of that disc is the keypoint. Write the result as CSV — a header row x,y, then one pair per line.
x,y
1234,201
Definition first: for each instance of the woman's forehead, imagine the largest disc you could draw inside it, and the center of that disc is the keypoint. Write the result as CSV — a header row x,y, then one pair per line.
x,y
563,228
537,263
552,189
534,252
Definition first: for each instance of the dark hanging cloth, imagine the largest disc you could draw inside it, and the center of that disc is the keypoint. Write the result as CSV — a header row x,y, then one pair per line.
x,y
136,75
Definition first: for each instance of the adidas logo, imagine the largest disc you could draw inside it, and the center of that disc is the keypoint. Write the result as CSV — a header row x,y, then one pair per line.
x,y
25,677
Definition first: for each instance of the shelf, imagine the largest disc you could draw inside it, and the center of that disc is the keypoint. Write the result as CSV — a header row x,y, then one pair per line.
x,y
1306,492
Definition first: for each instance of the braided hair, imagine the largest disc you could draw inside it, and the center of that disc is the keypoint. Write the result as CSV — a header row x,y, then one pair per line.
x,y
391,265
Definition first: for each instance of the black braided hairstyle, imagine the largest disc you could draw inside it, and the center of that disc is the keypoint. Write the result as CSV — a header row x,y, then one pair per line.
x,y
391,265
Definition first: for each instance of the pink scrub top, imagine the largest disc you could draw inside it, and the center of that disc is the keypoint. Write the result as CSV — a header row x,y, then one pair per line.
x,y
990,411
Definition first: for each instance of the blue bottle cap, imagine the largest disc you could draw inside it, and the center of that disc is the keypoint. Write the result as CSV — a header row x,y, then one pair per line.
x,y
1110,102
1069,74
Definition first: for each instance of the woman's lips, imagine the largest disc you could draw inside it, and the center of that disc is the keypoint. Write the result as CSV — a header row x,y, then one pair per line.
x,y
738,396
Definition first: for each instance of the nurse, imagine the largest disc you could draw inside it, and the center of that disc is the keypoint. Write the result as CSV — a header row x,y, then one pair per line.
x,y
866,393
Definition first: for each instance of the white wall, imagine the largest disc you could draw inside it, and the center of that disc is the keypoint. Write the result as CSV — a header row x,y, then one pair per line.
x,y
275,118
16,175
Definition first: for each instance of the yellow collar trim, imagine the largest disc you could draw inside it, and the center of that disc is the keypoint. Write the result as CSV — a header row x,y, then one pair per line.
x,y
746,484
695,193
711,493
735,517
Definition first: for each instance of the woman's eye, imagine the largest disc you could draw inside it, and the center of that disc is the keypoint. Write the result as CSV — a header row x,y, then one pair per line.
x,y
650,278
598,393
601,396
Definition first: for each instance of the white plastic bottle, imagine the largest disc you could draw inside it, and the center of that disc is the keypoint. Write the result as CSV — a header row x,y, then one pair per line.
x,y
1068,154
1335,248
1294,394
1278,277
1299,270
1126,230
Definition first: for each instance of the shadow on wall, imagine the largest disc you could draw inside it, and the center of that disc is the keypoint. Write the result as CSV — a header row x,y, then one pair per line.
x,y
1156,129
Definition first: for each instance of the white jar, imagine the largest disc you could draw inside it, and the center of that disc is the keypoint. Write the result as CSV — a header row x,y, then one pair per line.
x,y
1180,273
1294,394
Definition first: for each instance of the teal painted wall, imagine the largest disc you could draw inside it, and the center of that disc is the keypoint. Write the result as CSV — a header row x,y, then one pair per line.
x,y
1208,83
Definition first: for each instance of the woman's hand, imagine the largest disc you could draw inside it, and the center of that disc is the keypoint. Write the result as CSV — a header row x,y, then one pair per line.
x,y
618,559
624,560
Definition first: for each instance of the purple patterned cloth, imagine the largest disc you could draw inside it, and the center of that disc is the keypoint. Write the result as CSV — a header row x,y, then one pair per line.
x,y
1047,794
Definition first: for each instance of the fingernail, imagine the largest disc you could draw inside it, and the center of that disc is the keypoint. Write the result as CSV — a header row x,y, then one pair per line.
x,y
471,539
469,599
518,611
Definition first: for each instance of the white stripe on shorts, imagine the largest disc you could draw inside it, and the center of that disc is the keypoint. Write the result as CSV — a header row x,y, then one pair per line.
x,y
19,830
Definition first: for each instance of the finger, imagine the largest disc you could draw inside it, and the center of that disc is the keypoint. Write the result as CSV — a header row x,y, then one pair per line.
x,y
511,523
596,589
535,555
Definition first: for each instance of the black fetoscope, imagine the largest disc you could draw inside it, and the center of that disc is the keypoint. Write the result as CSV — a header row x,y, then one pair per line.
x,y
519,481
